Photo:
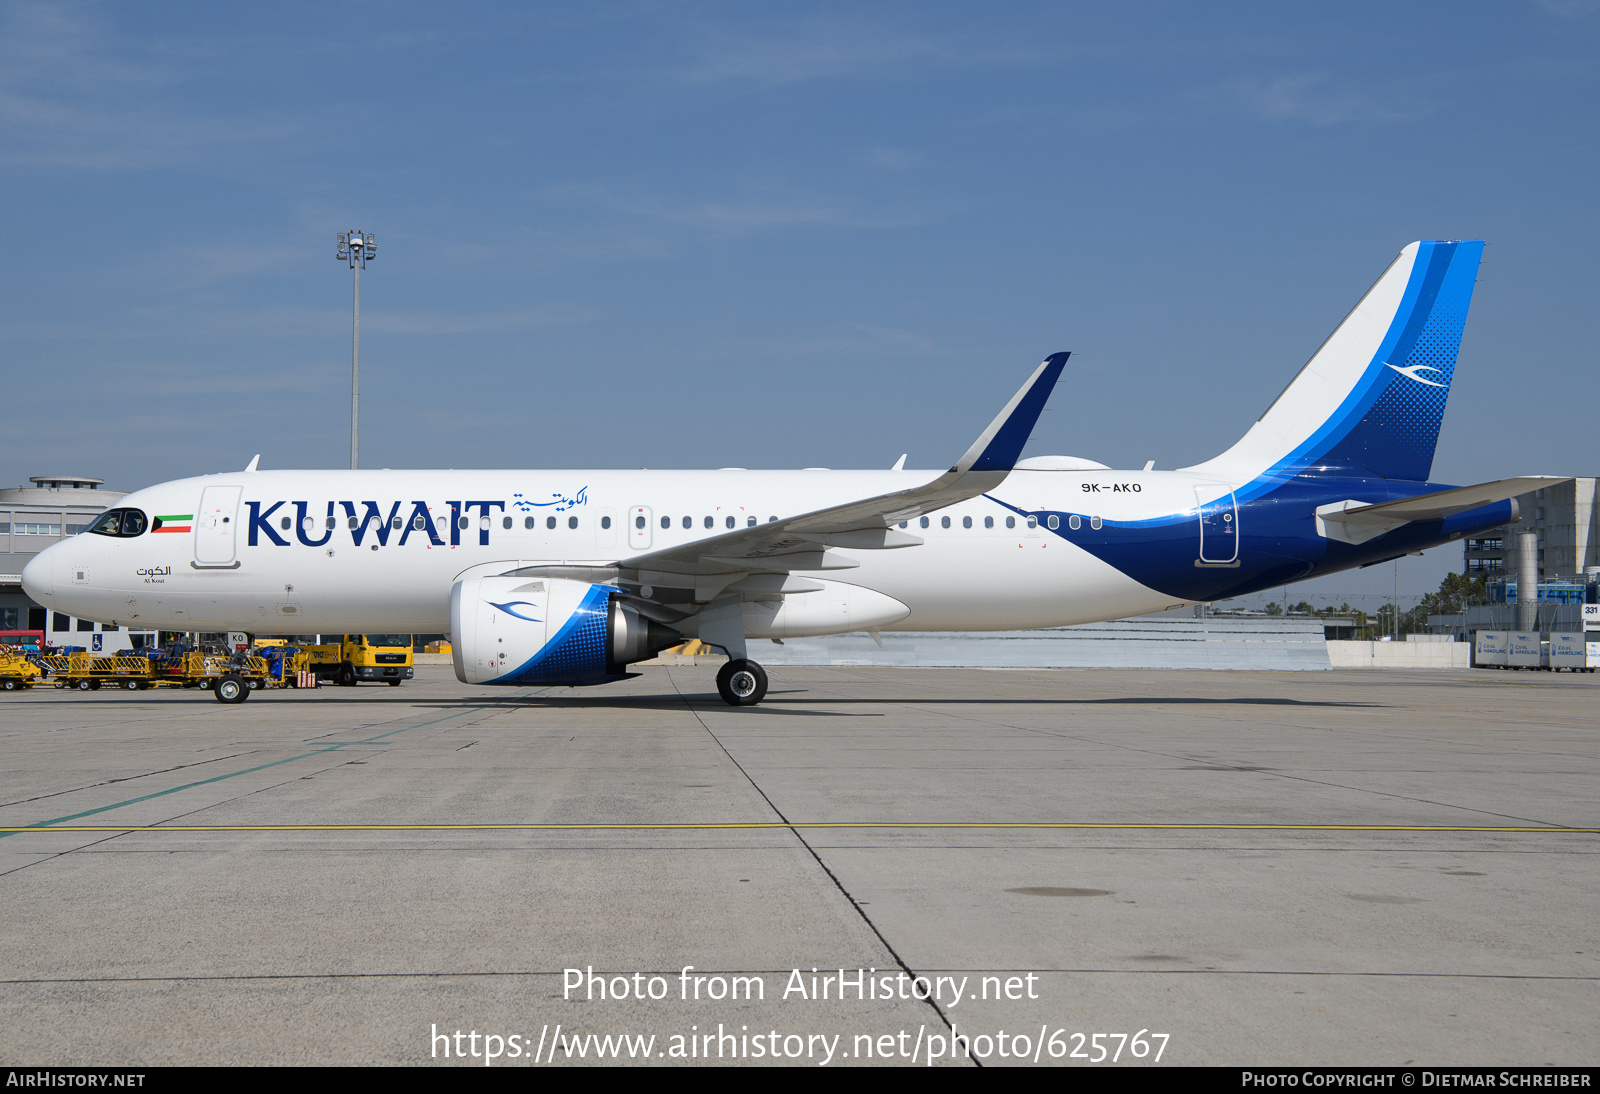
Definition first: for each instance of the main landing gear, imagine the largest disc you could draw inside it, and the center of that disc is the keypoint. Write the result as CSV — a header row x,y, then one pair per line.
x,y
742,683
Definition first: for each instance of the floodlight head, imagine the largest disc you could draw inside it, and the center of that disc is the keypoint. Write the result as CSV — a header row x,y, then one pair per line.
x,y
355,248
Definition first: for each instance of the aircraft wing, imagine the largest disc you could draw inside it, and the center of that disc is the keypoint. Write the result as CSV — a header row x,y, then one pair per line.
x,y
801,542
1443,504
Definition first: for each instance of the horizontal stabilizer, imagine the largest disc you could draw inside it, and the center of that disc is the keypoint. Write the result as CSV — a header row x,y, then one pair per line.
x,y
1443,504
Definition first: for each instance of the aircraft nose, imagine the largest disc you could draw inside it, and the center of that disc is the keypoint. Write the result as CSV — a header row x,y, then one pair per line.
x,y
38,578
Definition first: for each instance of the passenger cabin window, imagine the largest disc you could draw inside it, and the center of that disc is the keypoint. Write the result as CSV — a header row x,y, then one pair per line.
x,y
666,522
1011,522
284,524
729,522
605,522
572,522
966,522
529,522
505,522
1054,522
708,522
1094,522
944,522
688,522
638,522
922,522
1033,522
1074,522
549,522
750,522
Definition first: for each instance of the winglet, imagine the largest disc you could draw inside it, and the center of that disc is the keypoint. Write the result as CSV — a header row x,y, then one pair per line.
x,y
999,446
251,466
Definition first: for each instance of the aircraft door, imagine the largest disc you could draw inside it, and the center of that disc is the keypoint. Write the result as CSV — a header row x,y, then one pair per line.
x,y
216,526
1219,527
639,527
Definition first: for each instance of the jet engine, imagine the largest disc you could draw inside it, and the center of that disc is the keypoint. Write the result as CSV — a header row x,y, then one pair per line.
x,y
513,630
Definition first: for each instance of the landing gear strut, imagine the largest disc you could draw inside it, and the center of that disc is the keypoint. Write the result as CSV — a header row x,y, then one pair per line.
x,y
742,683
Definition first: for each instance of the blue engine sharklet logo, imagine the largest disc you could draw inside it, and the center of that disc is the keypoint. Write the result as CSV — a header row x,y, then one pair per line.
x,y
511,606
1411,371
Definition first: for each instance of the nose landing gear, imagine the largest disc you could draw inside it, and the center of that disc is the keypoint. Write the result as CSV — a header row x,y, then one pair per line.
x,y
742,683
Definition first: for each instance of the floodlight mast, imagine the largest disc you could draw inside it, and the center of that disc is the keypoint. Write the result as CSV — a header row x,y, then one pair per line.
x,y
356,248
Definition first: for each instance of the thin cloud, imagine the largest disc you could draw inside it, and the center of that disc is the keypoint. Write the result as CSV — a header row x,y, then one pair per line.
x,y
70,97
1317,99
738,215
801,55
539,317
895,159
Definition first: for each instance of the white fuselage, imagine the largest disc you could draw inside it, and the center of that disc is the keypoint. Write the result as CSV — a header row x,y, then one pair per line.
x,y
318,574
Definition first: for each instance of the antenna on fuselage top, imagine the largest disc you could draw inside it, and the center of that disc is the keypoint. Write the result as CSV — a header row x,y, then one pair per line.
x,y
251,466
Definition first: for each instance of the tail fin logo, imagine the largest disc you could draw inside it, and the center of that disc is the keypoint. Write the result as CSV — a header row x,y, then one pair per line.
x,y
1411,371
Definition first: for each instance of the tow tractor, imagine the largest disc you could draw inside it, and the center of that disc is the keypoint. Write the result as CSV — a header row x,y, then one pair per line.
x,y
356,658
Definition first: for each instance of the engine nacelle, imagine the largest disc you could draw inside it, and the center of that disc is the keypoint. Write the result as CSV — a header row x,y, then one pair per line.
x,y
518,631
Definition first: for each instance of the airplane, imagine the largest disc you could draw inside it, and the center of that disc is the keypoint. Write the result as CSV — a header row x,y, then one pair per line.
x,y
568,577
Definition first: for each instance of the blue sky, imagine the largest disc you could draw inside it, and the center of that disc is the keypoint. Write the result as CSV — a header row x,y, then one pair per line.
x,y
697,235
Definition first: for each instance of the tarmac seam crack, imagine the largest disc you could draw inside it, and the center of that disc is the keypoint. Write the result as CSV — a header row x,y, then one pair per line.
x,y
123,779
1277,774
1353,789
52,856
812,851
44,825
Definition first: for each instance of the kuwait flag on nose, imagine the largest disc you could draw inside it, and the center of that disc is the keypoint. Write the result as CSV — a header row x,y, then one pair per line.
x,y
174,523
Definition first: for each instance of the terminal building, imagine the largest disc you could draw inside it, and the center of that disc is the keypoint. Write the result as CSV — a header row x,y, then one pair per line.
x,y
1564,519
31,519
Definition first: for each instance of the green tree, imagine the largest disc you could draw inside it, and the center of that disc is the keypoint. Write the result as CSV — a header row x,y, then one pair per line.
x,y
1457,592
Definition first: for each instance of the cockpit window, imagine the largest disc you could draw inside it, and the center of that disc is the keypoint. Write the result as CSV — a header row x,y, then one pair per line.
x,y
123,523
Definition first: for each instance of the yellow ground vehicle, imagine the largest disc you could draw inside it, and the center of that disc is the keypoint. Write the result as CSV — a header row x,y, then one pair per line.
x,y
358,657
16,670
229,677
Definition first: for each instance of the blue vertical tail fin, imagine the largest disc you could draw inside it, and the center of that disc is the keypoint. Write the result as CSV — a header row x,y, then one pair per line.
x,y
1372,397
